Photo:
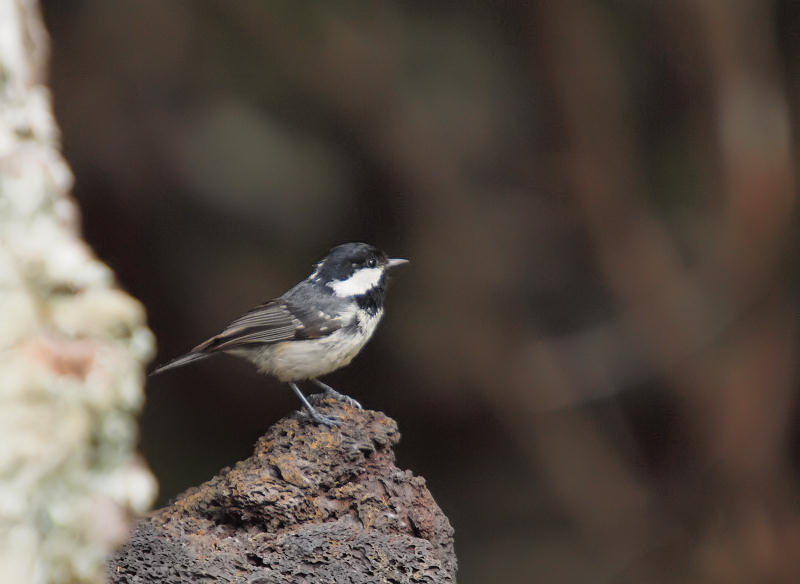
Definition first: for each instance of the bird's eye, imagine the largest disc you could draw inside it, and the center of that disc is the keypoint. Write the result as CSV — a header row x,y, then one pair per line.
x,y
372,262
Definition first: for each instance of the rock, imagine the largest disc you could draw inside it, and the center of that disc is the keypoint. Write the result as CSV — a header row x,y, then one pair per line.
x,y
312,504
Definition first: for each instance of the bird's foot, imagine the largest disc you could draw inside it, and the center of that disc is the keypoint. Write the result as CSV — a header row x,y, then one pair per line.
x,y
329,392
311,412
332,393
314,415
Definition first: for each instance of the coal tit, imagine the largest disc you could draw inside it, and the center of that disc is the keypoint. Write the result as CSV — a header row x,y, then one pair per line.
x,y
313,329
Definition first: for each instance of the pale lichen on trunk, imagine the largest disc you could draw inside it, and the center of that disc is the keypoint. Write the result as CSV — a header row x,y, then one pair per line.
x,y
72,347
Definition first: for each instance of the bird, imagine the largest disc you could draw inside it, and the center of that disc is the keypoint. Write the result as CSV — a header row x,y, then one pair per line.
x,y
313,329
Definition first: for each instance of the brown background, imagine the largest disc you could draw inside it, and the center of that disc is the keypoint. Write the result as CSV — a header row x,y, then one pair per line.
x,y
593,355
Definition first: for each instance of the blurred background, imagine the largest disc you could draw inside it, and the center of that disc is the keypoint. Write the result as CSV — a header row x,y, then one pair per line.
x,y
593,355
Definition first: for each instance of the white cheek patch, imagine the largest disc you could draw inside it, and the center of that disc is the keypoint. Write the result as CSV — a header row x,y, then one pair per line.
x,y
361,282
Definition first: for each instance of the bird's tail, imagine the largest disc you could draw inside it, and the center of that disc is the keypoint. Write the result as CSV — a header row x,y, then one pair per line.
x,y
180,362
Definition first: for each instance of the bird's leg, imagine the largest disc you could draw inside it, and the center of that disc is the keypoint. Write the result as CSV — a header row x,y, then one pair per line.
x,y
330,392
314,414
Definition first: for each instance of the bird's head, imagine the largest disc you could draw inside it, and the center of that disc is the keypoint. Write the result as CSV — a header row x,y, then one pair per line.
x,y
354,269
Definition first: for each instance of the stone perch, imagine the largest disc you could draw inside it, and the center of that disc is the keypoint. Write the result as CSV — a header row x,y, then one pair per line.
x,y
312,504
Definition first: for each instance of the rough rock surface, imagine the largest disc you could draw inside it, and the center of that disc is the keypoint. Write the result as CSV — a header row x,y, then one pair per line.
x,y
312,504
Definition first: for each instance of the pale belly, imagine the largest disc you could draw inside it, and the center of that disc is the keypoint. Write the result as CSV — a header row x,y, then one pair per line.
x,y
299,360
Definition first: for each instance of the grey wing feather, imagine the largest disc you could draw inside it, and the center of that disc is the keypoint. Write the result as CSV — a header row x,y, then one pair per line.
x,y
274,313
272,322
179,362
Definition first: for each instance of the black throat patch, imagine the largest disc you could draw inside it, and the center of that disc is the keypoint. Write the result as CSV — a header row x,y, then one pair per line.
x,y
372,301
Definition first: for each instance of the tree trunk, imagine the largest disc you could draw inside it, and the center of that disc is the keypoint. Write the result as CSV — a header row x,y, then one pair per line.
x,y
72,347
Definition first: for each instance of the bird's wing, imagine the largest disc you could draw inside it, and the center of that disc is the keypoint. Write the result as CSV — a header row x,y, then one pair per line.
x,y
272,322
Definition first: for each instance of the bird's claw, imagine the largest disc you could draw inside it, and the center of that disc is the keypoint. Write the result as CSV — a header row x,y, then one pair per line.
x,y
327,421
333,394
315,416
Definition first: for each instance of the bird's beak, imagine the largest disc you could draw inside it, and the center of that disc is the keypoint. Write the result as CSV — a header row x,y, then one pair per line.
x,y
393,263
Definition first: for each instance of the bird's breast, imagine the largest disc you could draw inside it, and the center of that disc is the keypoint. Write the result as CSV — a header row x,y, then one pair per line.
x,y
299,360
